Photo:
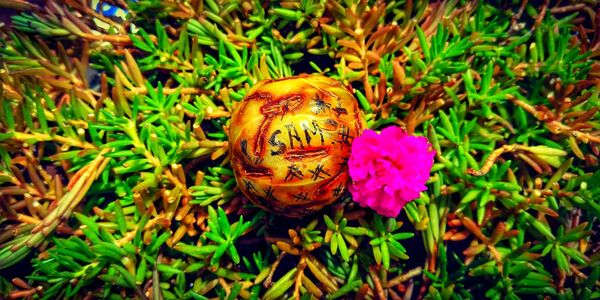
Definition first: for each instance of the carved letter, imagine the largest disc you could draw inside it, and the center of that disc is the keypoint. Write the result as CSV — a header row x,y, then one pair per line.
x,y
273,141
308,132
292,136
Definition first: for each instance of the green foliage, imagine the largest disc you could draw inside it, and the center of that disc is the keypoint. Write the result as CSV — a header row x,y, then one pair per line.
x,y
115,181
223,234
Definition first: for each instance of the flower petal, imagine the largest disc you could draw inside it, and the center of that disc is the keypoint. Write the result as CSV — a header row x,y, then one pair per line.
x,y
389,169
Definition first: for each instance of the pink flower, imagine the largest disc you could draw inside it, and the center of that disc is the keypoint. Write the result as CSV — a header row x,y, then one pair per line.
x,y
389,169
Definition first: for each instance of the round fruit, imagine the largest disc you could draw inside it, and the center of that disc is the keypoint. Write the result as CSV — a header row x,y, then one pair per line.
x,y
290,140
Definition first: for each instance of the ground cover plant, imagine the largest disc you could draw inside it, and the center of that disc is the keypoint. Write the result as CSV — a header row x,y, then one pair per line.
x,y
115,180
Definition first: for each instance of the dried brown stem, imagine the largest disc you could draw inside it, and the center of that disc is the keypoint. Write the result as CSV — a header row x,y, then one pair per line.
x,y
269,281
404,277
377,284
40,137
19,5
113,38
167,91
493,157
568,8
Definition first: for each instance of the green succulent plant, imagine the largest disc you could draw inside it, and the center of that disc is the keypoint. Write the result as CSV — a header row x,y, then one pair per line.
x,y
115,180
